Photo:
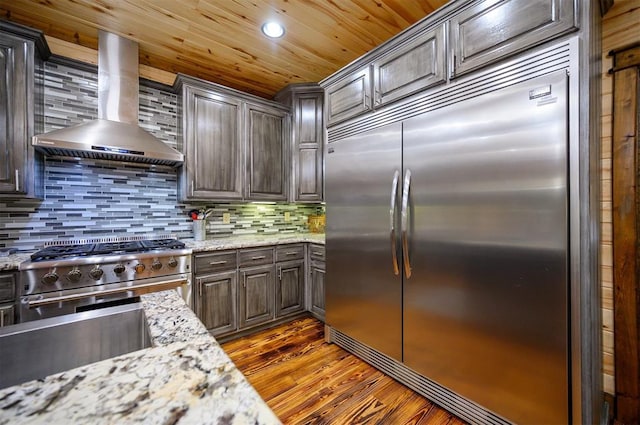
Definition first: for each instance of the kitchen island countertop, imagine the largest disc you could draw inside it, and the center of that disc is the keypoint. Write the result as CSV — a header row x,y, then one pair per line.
x,y
185,378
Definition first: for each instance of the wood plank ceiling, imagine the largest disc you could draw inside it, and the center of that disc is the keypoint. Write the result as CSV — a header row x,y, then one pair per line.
x,y
220,40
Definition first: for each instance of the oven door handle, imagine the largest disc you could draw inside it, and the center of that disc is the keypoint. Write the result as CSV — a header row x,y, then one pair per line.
x,y
136,290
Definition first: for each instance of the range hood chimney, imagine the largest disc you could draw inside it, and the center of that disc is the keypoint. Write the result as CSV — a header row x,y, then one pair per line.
x,y
115,135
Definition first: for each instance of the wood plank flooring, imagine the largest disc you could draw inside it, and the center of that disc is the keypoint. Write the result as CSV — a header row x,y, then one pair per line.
x,y
307,381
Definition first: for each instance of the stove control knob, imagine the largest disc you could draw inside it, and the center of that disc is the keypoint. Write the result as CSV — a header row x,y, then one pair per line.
x,y
172,262
50,278
156,265
118,269
96,273
74,275
139,268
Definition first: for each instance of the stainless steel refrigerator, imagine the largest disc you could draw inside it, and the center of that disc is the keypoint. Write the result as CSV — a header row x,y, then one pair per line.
x,y
447,246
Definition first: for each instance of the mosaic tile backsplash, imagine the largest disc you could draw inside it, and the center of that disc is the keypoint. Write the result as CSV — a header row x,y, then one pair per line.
x,y
91,198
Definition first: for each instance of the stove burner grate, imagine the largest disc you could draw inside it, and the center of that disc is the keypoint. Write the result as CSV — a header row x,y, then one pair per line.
x,y
106,248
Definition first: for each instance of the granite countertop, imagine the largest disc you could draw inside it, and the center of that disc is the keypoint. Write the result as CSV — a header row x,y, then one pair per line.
x,y
248,241
11,262
184,378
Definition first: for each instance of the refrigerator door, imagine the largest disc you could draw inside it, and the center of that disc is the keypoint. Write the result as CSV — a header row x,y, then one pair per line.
x,y
363,292
486,305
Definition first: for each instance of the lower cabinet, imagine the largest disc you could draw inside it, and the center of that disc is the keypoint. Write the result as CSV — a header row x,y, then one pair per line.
x,y
316,284
256,295
290,288
216,305
7,299
316,281
236,290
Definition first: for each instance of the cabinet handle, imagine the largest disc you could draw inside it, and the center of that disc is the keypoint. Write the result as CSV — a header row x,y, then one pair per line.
x,y
259,257
191,187
291,253
217,263
199,283
17,180
1,318
244,280
279,273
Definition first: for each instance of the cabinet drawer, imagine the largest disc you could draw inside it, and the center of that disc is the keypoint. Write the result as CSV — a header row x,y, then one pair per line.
x,y
255,257
207,263
316,252
289,252
7,288
494,29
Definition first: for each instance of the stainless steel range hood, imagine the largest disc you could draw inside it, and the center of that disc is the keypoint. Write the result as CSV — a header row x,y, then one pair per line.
x,y
115,135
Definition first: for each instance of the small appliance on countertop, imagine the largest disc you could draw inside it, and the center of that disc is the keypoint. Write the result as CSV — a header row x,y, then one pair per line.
x,y
83,275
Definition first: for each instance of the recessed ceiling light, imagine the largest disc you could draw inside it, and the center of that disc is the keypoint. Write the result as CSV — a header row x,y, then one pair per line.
x,y
273,29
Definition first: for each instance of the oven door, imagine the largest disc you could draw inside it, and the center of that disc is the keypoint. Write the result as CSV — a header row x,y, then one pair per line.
x,y
57,303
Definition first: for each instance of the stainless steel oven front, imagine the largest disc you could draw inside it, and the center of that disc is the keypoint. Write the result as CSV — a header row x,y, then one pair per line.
x,y
73,283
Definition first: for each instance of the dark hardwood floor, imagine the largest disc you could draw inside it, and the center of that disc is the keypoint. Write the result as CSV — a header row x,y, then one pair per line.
x,y
307,381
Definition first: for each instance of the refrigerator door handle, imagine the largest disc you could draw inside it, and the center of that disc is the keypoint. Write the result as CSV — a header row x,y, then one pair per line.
x,y
392,221
404,224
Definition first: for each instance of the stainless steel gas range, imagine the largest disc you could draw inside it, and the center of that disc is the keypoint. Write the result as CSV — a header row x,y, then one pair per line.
x,y
74,277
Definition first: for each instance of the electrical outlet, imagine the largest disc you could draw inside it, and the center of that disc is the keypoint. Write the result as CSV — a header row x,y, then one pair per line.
x,y
226,218
287,216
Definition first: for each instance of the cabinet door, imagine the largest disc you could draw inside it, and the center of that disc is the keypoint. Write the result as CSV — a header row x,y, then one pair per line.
x,y
7,288
409,68
212,146
495,28
290,287
217,302
308,147
266,153
256,295
349,97
7,315
14,114
317,289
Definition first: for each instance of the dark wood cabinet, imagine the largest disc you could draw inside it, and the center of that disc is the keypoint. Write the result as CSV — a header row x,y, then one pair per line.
x,y
212,145
216,280
256,295
349,97
22,51
493,29
290,287
8,298
238,290
315,288
266,135
235,145
412,67
307,145
216,306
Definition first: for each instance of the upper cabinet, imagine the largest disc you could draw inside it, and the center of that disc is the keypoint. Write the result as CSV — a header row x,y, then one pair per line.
x,y
495,28
235,144
22,51
307,141
349,97
411,67
212,145
460,37
408,67
267,176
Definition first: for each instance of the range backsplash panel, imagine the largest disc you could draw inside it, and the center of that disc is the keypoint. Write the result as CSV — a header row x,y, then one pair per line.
x,y
87,198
